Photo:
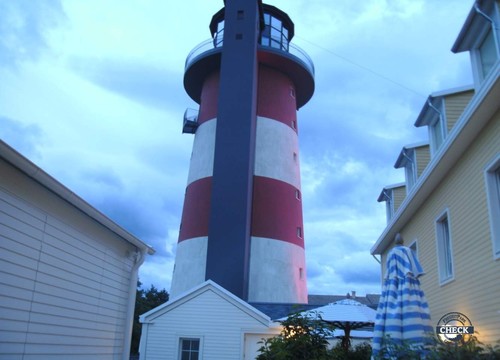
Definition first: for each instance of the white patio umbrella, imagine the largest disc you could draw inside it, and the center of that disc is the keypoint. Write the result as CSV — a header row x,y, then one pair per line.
x,y
403,312
347,314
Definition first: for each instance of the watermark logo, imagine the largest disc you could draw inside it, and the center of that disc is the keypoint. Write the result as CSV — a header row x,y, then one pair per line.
x,y
454,327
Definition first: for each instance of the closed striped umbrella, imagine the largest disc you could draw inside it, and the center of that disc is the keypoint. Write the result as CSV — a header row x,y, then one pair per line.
x,y
403,312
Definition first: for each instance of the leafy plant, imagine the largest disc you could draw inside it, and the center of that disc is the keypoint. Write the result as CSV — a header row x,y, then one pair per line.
x,y
361,351
303,337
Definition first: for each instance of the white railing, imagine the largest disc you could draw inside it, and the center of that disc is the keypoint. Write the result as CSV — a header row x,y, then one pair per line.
x,y
293,50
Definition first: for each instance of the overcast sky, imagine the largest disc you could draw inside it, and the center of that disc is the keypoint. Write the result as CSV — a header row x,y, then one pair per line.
x,y
91,91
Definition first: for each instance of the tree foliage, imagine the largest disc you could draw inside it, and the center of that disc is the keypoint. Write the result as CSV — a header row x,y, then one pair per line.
x,y
145,300
303,337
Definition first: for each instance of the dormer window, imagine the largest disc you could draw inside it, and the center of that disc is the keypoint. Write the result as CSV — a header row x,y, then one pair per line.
x,y
437,130
433,116
441,112
480,36
414,158
393,196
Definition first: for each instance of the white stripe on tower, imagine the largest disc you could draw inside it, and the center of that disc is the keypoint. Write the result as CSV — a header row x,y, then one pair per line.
x,y
277,262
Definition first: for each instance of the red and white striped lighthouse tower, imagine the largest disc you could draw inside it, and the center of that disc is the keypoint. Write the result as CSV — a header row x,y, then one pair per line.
x,y
242,219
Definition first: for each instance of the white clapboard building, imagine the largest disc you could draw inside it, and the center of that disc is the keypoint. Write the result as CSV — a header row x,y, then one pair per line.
x,y
68,274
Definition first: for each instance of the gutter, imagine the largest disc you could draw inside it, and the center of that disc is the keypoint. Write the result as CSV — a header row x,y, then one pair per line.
x,y
139,258
431,105
494,27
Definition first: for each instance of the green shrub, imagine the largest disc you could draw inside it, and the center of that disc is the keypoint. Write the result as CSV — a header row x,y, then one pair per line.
x,y
361,351
303,337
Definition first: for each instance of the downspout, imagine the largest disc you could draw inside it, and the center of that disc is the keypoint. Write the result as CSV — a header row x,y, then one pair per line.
x,y
407,157
429,102
443,127
493,25
483,14
139,258
384,191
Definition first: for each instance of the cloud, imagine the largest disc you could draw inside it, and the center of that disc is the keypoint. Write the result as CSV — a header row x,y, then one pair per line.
x,y
24,25
148,84
98,104
25,138
356,270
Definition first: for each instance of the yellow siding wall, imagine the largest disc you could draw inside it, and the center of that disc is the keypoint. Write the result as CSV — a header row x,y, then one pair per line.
x,y
423,156
475,290
455,105
399,194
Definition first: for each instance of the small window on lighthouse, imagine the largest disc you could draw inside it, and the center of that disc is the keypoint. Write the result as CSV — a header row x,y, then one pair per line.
x,y
295,156
299,232
297,194
301,273
292,92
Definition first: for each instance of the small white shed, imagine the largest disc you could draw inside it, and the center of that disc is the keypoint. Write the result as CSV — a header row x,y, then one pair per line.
x,y
207,322
68,274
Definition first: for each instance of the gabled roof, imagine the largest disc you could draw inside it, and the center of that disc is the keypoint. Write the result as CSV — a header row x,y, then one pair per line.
x,y
383,194
430,108
208,285
473,24
402,158
40,176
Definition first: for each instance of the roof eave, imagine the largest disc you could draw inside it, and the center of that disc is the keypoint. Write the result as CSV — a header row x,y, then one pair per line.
x,y
44,179
477,113
465,39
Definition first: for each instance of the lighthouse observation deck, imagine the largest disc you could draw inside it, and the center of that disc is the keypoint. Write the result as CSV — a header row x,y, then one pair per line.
x,y
274,50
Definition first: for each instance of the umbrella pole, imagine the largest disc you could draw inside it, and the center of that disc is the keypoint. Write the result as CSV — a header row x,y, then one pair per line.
x,y
346,340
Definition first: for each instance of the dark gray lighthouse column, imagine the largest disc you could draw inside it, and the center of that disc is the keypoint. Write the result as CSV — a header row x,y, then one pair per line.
x,y
231,200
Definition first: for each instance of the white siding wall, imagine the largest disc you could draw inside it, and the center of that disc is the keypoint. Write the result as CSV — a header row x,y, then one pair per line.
x,y
220,324
64,280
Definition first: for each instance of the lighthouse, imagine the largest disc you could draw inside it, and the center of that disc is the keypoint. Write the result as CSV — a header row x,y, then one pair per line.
x,y
242,223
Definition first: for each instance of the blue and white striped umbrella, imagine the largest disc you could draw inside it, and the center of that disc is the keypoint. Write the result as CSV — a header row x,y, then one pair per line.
x,y
403,311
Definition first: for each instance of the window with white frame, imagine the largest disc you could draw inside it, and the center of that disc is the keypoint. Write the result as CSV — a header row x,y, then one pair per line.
x,y
492,177
444,248
410,169
487,53
437,132
189,349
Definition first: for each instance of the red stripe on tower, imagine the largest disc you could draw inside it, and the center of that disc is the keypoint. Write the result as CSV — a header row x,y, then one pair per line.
x,y
277,211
